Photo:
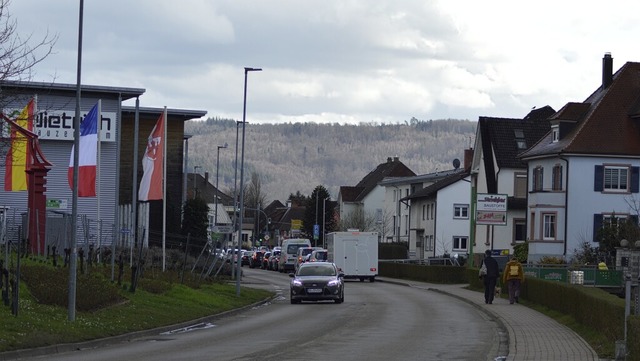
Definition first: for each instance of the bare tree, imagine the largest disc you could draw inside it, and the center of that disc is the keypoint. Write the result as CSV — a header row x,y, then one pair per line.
x,y
253,193
19,54
358,219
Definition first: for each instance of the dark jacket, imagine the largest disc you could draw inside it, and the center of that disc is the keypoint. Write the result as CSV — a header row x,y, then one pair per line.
x,y
492,267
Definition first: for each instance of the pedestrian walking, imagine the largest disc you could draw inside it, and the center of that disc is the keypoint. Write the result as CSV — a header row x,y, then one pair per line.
x,y
513,276
489,273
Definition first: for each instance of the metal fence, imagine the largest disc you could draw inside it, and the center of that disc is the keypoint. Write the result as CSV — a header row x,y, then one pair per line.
x,y
586,275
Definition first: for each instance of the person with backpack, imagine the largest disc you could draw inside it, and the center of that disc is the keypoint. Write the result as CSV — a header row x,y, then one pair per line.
x,y
513,276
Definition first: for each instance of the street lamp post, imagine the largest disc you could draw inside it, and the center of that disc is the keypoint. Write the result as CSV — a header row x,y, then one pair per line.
x,y
215,211
244,123
324,201
195,180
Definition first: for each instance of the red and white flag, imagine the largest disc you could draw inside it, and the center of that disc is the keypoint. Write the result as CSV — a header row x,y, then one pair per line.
x,y
87,159
153,164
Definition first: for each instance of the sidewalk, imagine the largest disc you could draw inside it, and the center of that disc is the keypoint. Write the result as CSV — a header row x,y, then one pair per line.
x,y
531,334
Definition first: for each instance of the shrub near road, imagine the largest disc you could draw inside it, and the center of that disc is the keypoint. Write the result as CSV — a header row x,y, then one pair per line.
x,y
108,309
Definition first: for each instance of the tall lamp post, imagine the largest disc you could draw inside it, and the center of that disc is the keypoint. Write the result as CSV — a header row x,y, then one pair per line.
x,y
324,213
195,180
244,123
215,211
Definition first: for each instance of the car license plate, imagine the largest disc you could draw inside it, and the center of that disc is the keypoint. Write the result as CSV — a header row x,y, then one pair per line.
x,y
314,290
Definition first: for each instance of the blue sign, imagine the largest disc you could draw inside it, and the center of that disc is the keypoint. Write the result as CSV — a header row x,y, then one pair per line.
x,y
316,231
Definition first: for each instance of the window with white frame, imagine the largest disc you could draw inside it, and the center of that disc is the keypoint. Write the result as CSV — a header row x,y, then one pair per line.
x,y
461,211
424,211
616,179
429,246
549,226
519,230
614,221
520,185
460,243
555,131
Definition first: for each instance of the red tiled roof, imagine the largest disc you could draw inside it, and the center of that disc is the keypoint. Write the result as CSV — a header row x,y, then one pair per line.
x,y
604,122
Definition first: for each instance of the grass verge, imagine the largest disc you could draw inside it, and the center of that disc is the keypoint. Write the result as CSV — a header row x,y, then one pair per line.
x,y
40,324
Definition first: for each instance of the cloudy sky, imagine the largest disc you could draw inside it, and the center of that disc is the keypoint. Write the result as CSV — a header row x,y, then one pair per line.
x,y
344,61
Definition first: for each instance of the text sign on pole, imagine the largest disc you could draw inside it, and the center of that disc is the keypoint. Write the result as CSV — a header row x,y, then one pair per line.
x,y
491,209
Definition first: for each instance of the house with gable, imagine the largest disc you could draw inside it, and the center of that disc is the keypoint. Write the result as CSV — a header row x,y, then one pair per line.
x,y
496,169
439,215
586,168
397,205
368,196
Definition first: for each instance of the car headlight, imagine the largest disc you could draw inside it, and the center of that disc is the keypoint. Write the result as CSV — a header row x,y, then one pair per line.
x,y
333,283
296,283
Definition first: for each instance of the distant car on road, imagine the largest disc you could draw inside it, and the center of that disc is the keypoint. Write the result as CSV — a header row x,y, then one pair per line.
x,y
256,259
245,260
318,255
265,260
303,252
317,281
274,260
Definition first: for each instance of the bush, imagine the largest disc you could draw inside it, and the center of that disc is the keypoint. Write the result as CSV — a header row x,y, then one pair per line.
x,y
552,260
50,286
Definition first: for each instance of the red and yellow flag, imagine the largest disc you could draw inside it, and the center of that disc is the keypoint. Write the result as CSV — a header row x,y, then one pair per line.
x,y
19,157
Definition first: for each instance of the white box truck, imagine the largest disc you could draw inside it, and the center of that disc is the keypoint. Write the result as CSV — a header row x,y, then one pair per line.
x,y
355,253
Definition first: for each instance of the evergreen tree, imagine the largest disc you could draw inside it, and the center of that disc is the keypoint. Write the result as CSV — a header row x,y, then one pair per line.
x,y
196,221
313,214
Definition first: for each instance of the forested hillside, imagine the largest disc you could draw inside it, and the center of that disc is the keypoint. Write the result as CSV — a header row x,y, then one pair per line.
x,y
298,157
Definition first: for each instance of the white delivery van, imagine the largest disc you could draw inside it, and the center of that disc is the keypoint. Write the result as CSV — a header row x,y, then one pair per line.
x,y
290,253
355,253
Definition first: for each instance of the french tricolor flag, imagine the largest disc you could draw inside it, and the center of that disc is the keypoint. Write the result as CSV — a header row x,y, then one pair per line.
x,y
87,159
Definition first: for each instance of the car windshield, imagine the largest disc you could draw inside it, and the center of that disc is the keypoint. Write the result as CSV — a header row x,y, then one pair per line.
x,y
293,248
317,270
321,255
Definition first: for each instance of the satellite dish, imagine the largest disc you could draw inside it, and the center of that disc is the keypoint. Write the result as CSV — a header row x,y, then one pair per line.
x,y
456,163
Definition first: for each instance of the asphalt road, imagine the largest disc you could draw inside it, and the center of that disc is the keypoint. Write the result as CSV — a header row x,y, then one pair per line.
x,y
377,321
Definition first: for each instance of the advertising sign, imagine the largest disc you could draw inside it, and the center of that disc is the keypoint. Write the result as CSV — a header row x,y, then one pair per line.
x,y
491,209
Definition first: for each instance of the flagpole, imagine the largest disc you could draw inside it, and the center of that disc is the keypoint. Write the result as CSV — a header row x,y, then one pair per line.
x,y
164,189
134,195
76,155
98,126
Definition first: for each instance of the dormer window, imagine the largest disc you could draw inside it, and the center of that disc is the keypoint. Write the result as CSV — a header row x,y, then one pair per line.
x,y
555,132
521,143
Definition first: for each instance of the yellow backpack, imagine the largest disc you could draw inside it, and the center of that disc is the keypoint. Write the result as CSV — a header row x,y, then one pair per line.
x,y
513,270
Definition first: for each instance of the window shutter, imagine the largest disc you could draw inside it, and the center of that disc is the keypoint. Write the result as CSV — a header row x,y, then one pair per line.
x,y
598,178
597,224
635,179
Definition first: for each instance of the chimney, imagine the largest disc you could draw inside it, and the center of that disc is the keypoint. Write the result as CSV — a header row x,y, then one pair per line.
x,y
607,70
388,159
396,159
468,158
206,178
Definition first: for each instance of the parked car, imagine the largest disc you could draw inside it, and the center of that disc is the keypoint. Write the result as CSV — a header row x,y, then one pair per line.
x,y
256,259
318,255
265,260
274,260
317,281
245,260
303,252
